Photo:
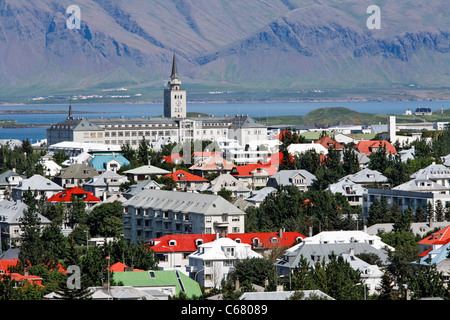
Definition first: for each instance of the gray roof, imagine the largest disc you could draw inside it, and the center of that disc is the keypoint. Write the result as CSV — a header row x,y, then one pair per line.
x,y
78,171
421,185
291,259
147,170
284,177
346,187
7,174
284,295
367,176
433,171
102,179
143,185
12,253
38,182
228,182
11,212
184,202
245,122
77,124
260,195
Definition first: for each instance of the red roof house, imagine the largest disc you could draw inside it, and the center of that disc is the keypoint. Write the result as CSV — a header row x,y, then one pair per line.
x,y
120,267
434,241
255,174
66,196
190,242
327,142
369,146
188,181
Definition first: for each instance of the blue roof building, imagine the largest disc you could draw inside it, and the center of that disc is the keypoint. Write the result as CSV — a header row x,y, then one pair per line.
x,y
108,162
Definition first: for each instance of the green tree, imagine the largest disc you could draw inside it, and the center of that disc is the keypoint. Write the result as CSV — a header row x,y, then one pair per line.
x,y
31,247
54,242
105,220
439,211
142,152
425,282
350,163
256,271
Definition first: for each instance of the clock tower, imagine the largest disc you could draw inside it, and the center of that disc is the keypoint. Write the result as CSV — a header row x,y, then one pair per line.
x,y
174,97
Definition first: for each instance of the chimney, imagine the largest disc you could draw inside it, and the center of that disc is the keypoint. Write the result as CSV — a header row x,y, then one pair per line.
x,y
236,284
266,282
281,233
352,252
310,231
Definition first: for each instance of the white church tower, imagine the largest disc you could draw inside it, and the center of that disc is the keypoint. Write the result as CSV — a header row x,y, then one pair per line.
x,y
174,97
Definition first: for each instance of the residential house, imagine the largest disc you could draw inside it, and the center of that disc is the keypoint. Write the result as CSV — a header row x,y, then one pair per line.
x,y
105,184
299,148
51,168
257,197
230,183
11,214
321,252
40,186
301,179
439,258
112,162
351,190
142,185
254,175
368,177
82,158
417,228
284,295
75,175
213,261
8,180
351,236
423,185
173,249
328,143
437,173
369,146
170,282
434,241
213,164
145,172
187,181
446,160
67,196
371,275
151,214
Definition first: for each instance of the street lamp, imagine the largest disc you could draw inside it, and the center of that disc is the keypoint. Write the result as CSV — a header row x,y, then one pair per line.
x,y
363,284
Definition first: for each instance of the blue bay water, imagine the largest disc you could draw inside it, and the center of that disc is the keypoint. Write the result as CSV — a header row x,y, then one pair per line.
x,y
259,111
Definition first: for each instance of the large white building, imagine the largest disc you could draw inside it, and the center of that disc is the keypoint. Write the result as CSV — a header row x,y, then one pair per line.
x,y
174,126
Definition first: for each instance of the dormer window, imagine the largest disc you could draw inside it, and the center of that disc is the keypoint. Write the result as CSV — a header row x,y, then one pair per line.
x,y
172,243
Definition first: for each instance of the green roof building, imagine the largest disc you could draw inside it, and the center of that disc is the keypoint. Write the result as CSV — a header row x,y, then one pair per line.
x,y
171,282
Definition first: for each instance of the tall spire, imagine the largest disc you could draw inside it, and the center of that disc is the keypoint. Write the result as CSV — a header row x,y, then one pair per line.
x,y
174,74
70,110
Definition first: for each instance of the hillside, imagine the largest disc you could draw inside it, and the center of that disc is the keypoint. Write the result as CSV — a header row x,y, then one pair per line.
x,y
325,117
287,46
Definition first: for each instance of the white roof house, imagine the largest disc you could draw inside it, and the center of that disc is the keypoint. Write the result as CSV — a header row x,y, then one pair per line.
x,y
51,167
422,185
297,148
229,182
435,172
214,260
352,236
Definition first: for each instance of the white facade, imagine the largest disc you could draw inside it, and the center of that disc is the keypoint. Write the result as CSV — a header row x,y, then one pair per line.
x,y
213,261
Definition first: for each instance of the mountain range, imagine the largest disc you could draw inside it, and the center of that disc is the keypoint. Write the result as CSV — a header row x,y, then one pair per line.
x,y
251,45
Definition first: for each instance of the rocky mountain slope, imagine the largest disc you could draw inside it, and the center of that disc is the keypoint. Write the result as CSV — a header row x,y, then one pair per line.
x,y
249,44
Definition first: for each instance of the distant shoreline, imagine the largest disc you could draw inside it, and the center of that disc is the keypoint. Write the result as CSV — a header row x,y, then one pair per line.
x,y
228,101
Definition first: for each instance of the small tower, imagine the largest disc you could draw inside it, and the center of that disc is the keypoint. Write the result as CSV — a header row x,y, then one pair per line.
x,y
70,116
174,97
